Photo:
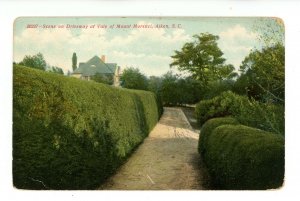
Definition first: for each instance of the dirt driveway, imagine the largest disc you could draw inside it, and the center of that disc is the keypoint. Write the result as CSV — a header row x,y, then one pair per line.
x,y
167,159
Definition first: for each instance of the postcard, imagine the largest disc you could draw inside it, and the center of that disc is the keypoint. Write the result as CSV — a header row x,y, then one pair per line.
x,y
148,103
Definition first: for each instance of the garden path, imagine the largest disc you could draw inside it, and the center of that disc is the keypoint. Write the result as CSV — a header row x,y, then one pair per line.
x,y
167,159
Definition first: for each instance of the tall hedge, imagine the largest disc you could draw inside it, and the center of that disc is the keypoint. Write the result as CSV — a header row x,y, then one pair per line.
x,y
73,134
241,157
265,116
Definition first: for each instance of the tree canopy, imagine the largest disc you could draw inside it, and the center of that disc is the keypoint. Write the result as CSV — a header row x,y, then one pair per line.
x,y
36,61
203,59
263,74
132,78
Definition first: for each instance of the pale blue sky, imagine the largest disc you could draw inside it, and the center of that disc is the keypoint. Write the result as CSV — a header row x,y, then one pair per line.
x,y
146,48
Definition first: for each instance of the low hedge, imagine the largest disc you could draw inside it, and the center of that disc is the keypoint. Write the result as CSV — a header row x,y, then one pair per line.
x,y
268,117
241,157
207,129
73,134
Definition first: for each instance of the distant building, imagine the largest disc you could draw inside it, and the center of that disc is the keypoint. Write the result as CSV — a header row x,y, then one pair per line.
x,y
97,66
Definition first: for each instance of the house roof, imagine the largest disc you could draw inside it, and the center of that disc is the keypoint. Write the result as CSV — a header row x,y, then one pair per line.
x,y
95,65
112,66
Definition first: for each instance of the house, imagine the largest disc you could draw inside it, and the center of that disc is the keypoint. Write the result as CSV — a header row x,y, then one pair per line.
x,y
97,66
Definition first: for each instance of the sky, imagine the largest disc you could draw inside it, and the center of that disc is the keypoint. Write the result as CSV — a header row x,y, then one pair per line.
x,y
147,47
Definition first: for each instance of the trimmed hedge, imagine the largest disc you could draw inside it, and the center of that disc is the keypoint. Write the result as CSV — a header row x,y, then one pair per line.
x,y
207,129
241,157
74,134
268,117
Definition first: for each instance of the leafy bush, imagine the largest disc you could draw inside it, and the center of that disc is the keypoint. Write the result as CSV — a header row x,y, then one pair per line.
x,y
73,134
266,116
241,157
207,129
223,105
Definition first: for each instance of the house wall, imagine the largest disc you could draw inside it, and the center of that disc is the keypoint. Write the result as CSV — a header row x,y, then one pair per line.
x,y
76,75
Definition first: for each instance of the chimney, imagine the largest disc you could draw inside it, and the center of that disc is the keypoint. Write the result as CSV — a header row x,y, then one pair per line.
x,y
103,58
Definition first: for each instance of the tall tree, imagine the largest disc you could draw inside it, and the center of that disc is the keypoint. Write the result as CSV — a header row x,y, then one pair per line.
x,y
202,58
263,74
36,61
74,61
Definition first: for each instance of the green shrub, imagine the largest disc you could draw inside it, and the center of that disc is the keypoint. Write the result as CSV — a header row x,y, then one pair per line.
x,y
207,129
266,116
240,157
73,134
223,105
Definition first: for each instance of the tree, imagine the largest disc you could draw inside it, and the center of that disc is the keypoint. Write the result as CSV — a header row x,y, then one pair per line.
x,y
36,61
215,88
263,74
176,90
132,78
202,58
262,71
154,84
74,61
168,89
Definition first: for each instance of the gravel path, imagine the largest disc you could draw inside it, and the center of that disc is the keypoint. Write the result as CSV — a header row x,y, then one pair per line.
x,y
167,159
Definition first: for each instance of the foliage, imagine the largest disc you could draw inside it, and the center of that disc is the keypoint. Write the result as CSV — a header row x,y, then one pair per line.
x,y
55,69
168,90
263,75
215,88
266,116
245,158
36,61
74,61
73,134
178,91
102,78
202,58
132,78
207,129
219,106
154,84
